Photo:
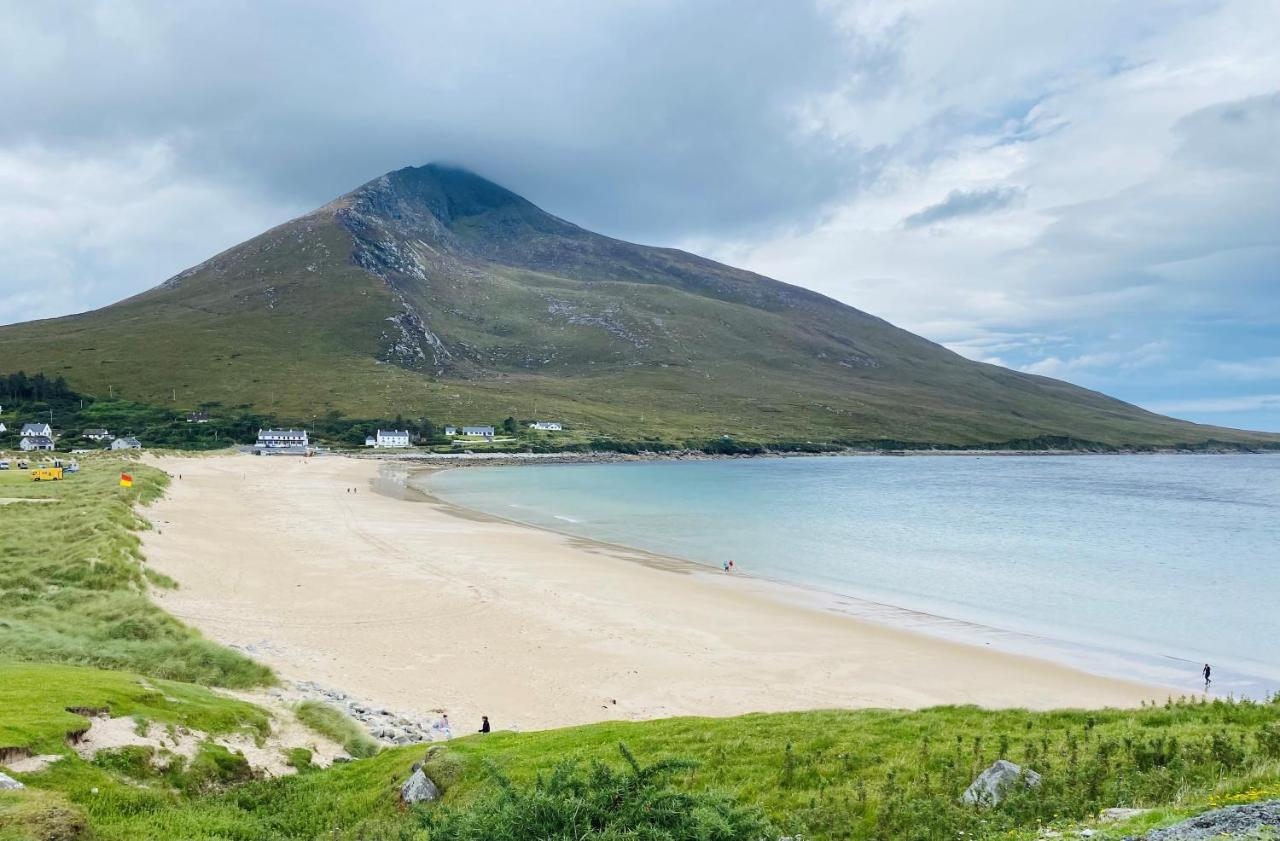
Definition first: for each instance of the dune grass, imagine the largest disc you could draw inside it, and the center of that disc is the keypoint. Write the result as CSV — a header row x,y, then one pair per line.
x,y
863,774
40,704
334,724
73,584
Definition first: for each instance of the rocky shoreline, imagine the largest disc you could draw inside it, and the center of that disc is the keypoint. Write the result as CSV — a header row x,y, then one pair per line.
x,y
390,727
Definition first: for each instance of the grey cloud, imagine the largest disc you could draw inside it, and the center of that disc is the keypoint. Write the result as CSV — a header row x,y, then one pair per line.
x,y
966,203
645,119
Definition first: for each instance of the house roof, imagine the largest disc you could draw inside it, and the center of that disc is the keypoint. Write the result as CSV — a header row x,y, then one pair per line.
x,y
129,441
95,432
34,428
393,432
40,439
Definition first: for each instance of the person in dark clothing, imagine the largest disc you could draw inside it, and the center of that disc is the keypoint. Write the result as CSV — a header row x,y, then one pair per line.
x,y
1207,671
484,724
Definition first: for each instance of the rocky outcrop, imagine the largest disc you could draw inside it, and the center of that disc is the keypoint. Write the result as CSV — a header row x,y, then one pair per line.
x,y
993,784
1251,820
418,788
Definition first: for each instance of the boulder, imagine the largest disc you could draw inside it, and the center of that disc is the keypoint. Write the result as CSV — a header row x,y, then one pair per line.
x,y
1119,814
7,782
418,789
992,784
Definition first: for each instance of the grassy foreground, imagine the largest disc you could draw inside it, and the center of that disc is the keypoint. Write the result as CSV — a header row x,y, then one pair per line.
x,y
864,774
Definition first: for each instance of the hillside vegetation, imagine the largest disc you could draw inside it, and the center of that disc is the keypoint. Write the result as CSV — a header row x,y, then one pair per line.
x,y
433,293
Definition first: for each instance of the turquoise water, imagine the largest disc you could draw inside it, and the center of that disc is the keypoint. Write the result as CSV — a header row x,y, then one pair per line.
x,y
1145,566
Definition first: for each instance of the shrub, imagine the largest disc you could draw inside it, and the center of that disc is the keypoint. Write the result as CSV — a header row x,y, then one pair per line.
x,y
601,802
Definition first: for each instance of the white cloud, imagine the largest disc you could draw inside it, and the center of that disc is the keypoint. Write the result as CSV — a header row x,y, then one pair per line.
x,y
1216,405
1251,369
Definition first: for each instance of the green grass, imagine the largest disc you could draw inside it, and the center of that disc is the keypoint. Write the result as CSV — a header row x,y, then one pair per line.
x,y
829,774
73,584
334,724
37,703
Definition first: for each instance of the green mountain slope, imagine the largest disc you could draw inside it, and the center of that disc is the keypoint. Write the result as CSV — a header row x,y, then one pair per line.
x,y
432,292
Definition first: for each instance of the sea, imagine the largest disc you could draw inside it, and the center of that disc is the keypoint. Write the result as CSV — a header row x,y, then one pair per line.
x,y
1138,566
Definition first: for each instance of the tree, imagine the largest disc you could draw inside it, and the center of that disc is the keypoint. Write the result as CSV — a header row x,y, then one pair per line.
x,y
509,426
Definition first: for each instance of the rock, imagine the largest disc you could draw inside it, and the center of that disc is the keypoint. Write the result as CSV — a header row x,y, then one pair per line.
x,y
1119,814
7,782
990,786
418,789
1229,822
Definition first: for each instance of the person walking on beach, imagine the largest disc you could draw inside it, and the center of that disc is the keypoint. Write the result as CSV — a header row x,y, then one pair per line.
x,y
484,724
726,566
1206,672
731,566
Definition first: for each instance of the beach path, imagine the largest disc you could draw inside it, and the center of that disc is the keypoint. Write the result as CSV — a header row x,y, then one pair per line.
x,y
417,606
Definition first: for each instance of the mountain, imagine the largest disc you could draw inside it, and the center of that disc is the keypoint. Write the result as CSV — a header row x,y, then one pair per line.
x,y
433,292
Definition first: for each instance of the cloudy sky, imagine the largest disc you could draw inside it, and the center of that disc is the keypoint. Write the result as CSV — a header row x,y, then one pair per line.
x,y
1087,190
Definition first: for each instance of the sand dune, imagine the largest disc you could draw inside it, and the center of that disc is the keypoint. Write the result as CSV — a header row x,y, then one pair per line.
x,y
418,606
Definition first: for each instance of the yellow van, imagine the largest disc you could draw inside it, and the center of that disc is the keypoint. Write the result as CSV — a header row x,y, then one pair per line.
x,y
46,474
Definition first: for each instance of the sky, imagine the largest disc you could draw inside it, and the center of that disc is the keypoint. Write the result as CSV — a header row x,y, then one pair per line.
x,y
1085,190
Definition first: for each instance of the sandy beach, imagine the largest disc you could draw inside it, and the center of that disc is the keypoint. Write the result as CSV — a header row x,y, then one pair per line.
x,y
419,607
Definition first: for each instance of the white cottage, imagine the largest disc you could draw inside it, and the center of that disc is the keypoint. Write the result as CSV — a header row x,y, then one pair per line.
x,y
37,430
36,442
482,431
126,444
450,431
392,438
547,426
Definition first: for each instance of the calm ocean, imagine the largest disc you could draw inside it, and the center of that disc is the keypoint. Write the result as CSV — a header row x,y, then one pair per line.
x,y
1141,566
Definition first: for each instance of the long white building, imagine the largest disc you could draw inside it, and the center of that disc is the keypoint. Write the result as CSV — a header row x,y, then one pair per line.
x,y
278,439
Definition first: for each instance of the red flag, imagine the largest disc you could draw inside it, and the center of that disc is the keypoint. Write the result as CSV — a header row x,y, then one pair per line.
x,y
126,480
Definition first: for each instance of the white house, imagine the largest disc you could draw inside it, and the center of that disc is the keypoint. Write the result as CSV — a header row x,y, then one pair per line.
x,y
547,426
485,431
450,431
370,441
126,444
275,439
42,430
36,442
197,417
3,428
392,438
97,435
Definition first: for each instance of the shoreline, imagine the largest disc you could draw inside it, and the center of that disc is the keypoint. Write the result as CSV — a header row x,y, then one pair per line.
x,y
424,606
519,459
1151,668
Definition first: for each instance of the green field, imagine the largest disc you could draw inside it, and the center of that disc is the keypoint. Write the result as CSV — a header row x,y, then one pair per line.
x,y
79,636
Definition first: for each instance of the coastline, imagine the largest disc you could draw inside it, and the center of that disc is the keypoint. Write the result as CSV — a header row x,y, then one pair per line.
x,y
1159,671
421,606
520,459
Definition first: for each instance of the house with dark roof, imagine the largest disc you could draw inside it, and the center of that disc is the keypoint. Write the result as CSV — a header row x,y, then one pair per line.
x,y
30,430
36,442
